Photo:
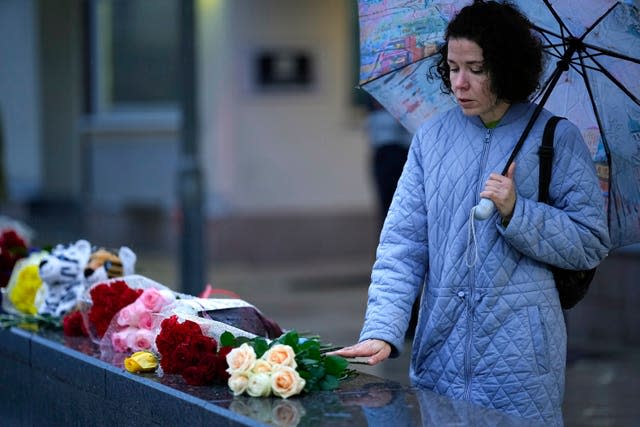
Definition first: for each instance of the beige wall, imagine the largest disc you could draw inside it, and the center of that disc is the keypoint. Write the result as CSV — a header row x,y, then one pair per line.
x,y
286,150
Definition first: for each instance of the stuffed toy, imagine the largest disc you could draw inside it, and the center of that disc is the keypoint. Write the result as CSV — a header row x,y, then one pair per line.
x,y
62,274
105,264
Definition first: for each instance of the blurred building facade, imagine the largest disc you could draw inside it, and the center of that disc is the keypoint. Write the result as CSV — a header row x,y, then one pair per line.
x,y
89,101
91,123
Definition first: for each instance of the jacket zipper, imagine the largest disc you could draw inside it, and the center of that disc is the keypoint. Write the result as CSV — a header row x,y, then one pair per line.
x,y
483,161
471,297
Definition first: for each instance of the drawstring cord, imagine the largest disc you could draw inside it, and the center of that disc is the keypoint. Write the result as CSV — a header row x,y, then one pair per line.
x,y
472,245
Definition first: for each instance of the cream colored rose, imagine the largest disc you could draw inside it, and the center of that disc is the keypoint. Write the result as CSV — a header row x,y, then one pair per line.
x,y
287,413
241,359
238,383
259,385
281,354
286,381
262,367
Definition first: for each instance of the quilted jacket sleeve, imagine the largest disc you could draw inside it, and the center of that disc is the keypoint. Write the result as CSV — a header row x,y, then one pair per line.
x,y
401,258
572,233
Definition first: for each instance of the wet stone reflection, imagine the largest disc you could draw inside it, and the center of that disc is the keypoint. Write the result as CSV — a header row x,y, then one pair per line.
x,y
76,369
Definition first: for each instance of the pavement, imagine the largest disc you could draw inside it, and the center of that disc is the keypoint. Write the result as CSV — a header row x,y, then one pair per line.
x,y
328,298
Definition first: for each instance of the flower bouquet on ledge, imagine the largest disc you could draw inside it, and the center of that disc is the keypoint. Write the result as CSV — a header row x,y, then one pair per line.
x,y
284,367
120,314
14,245
185,350
127,314
218,315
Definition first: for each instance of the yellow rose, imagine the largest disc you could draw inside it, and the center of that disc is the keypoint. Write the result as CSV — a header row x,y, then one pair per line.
x,y
238,383
286,381
261,367
141,361
259,385
241,359
281,354
24,289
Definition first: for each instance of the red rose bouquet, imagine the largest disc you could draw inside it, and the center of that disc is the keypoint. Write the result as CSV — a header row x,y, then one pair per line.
x,y
107,299
73,325
218,315
12,248
186,351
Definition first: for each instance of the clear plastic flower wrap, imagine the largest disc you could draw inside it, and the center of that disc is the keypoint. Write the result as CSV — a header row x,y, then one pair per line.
x,y
217,315
120,314
188,340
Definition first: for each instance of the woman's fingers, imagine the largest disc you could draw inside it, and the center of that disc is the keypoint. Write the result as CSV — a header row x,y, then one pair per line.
x,y
501,190
382,354
374,350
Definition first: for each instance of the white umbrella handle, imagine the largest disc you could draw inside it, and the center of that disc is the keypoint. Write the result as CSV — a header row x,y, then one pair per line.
x,y
484,209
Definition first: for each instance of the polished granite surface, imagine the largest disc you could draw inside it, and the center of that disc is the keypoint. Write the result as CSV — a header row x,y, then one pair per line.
x,y
361,400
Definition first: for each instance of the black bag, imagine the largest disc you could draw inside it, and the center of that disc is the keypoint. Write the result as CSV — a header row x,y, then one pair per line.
x,y
572,285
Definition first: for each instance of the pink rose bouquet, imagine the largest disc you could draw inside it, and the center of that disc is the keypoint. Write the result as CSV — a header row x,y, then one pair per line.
x,y
135,325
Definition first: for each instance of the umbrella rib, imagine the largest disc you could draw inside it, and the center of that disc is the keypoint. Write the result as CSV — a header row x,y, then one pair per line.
x,y
552,45
582,71
608,52
597,21
605,144
543,88
557,17
600,50
545,31
392,71
616,82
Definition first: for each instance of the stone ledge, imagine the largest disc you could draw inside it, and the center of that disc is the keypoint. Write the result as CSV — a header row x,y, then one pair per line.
x,y
47,379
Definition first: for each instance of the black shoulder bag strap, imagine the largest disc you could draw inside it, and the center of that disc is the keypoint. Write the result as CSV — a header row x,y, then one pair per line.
x,y
546,159
572,285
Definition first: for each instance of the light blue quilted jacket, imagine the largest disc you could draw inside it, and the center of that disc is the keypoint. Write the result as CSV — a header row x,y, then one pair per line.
x,y
493,332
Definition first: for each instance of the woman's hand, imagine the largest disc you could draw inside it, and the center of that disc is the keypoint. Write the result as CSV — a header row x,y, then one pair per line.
x,y
502,191
375,350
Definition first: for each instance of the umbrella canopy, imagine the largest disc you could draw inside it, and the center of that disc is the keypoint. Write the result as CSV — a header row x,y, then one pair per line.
x,y
592,77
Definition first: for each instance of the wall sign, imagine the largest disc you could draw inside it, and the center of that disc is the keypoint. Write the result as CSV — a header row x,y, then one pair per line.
x,y
283,70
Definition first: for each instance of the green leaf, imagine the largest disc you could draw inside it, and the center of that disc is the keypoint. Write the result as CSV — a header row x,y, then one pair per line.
x,y
260,346
227,339
309,345
317,372
291,339
313,353
242,340
329,382
309,362
335,365
30,321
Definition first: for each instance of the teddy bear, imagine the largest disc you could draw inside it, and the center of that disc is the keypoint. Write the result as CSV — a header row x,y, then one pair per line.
x,y
62,275
106,264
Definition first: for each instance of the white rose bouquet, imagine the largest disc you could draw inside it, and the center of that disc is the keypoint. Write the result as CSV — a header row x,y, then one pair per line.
x,y
283,367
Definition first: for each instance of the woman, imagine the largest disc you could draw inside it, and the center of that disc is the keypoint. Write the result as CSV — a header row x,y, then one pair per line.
x,y
490,329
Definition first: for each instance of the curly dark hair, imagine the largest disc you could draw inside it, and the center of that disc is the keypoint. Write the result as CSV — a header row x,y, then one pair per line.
x,y
512,53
